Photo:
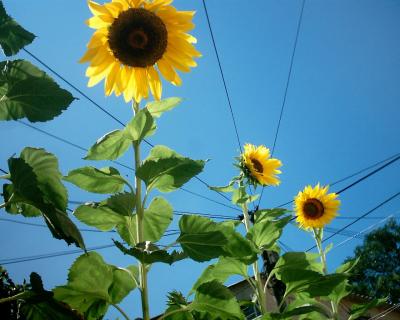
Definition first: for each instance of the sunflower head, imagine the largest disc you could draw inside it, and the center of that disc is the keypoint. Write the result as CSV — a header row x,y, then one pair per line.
x,y
315,207
258,167
134,42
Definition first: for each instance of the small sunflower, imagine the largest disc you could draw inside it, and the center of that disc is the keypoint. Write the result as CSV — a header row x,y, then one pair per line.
x,y
315,207
134,41
258,166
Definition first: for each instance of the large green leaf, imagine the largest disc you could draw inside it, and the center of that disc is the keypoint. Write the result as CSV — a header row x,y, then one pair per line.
x,y
16,204
106,180
292,314
166,170
221,271
141,126
100,217
148,253
216,301
238,246
122,203
157,108
268,214
111,146
291,261
93,285
201,238
128,231
157,218
264,234
12,36
26,91
37,182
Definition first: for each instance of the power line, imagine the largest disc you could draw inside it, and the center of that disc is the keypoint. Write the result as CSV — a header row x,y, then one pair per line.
x,y
396,158
359,218
286,87
385,312
222,76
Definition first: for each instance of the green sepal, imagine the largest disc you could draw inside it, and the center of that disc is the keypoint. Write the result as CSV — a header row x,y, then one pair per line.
x,y
166,170
93,285
105,181
13,37
111,146
200,238
28,92
157,108
148,253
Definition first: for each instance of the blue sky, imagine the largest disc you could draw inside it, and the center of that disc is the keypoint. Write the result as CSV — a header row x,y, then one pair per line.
x,y
341,115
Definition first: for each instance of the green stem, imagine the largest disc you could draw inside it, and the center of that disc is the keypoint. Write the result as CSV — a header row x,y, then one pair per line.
x,y
3,205
262,299
140,229
318,235
121,311
16,297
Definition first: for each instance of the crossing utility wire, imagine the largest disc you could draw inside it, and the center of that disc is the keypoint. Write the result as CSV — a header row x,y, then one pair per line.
x,y
222,76
359,218
289,76
84,95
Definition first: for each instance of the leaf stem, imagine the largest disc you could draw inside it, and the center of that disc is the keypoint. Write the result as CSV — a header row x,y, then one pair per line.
x,y
140,227
262,299
318,235
12,298
121,311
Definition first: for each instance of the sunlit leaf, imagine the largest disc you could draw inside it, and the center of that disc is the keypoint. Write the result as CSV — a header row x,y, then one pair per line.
x,y
111,146
157,218
100,217
141,126
12,36
106,180
157,108
27,92
268,214
166,170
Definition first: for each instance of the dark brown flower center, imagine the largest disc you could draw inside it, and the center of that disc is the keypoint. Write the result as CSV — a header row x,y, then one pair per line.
x,y
138,37
257,165
313,208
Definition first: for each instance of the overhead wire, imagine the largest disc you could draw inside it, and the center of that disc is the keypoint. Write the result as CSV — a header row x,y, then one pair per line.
x,y
286,86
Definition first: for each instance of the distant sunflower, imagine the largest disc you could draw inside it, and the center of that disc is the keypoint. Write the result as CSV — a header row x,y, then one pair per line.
x,y
258,166
132,37
315,207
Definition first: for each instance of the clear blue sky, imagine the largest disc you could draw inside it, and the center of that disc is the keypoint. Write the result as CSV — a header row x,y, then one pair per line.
x,y
341,115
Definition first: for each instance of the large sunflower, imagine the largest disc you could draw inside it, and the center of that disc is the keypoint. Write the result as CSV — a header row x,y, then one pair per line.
x,y
132,38
315,207
258,166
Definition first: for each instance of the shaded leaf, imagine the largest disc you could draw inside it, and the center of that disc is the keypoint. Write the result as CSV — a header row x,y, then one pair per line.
x,y
28,92
200,238
303,310
157,108
17,205
122,203
166,170
111,146
357,310
106,180
217,301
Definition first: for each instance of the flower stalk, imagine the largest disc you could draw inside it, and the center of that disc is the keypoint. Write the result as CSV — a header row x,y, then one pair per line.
x,y
140,228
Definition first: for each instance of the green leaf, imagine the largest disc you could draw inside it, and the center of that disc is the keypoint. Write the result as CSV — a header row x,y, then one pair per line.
x,y
157,108
348,266
106,180
221,271
148,253
357,310
200,238
240,196
100,217
26,91
12,36
265,233
291,261
268,214
127,230
122,203
93,285
157,218
111,146
37,182
292,314
217,301
166,170
229,188
238,246
16,204
141,126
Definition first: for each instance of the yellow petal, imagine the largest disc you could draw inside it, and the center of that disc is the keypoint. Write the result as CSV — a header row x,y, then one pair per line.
x,y
168,72
110,80
154,82
98,22
142,89
89,54
130,85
